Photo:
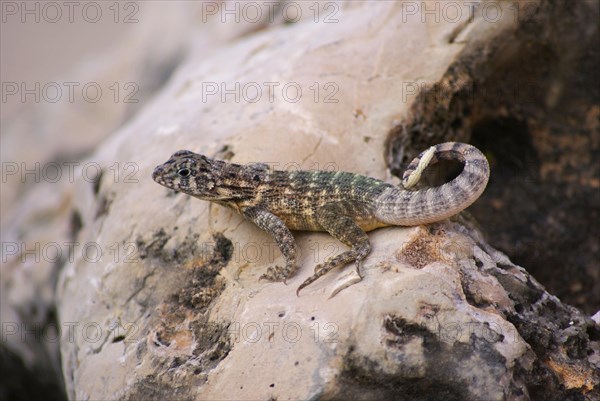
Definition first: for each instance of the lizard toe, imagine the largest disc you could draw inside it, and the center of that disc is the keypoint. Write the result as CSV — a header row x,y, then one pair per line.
x,y
273,274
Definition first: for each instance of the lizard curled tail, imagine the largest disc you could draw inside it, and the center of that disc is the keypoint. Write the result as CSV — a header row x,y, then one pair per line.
x,y
399,206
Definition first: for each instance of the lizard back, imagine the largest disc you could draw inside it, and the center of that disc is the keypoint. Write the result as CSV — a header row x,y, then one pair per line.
x,y
296,197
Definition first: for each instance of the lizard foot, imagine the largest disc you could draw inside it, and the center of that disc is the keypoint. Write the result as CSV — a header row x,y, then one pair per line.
x,y
336,262
274,274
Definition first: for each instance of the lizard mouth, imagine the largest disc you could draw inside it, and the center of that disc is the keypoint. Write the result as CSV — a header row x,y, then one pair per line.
x,y
157,174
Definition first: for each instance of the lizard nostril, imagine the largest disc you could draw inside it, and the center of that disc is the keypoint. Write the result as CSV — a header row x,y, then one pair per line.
x,y
155,173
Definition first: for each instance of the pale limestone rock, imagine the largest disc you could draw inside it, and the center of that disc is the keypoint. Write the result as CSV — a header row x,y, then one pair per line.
x,y
225,343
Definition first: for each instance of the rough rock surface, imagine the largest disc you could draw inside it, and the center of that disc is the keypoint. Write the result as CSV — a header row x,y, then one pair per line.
x,y
173,310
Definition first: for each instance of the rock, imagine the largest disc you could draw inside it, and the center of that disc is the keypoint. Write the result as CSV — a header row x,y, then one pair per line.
x,y
160,299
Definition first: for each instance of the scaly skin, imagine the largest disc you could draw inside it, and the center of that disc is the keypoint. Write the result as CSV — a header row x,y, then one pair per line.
x,y
346,205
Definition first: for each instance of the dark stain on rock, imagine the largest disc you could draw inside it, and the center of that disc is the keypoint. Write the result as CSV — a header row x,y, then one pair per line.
x,y
102,207
76,224
450,369
153,247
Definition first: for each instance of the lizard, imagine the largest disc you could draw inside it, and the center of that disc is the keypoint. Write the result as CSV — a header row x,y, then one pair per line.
x,y
344,204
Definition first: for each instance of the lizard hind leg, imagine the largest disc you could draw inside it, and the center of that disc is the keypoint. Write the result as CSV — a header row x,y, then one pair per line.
x,y
345,230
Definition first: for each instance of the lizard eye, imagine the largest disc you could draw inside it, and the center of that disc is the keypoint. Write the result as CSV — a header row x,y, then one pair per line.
x,y
183,172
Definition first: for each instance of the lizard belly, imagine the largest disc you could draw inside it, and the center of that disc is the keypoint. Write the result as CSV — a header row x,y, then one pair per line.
x,y
309,223
371,224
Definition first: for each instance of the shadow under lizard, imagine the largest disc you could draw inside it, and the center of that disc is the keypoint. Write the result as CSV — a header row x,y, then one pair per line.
x,y
346,205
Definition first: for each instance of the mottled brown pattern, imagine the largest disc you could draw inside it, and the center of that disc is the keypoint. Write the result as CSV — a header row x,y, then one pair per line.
x,y
345,205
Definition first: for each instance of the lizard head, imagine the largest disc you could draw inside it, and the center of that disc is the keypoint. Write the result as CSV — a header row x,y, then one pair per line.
x,y
191,173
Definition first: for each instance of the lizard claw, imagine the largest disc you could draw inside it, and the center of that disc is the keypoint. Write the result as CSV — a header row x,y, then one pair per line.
x,y
274,274
306,282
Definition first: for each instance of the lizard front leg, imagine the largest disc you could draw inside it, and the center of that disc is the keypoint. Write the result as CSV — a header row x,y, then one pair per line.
x,y
345,230
283,237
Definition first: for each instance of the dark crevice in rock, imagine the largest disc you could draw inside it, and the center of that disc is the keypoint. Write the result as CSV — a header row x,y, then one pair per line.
x,y
518,291
21,383
402,332
76,224
530,103
97,182
213,343
153,248
205,284
103,206
449,368
216,253
153,388
223,250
